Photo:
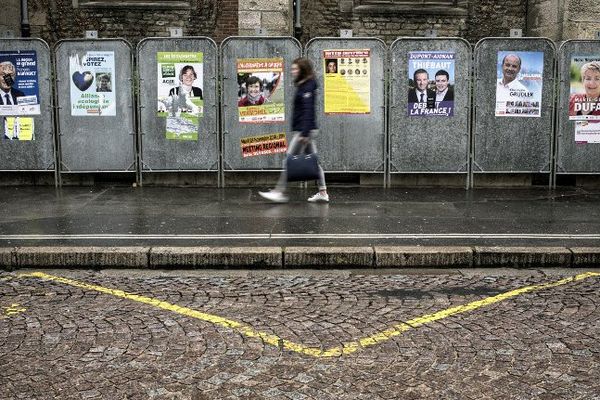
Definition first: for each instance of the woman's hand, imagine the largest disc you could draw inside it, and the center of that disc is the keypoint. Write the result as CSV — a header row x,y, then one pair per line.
x,y
304,139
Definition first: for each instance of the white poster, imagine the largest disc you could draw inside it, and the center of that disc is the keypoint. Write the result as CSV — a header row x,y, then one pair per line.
x,y
520,76
587,132
92,83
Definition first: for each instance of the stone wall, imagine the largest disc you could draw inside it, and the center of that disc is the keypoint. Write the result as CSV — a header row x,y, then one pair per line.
x,y
274,15
564,19
58,19
472,19
489,18
544,19
10,23
581,19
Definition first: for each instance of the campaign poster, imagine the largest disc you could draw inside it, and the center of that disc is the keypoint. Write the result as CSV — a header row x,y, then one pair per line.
x,y
18,128
92,83
19,90
587,131
584,99
347,87
271,143
261,98
431,83
519,83
180,93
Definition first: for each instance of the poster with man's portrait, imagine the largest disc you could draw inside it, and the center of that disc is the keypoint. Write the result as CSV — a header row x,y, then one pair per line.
x,y
519,82
431,83
18,128
19,91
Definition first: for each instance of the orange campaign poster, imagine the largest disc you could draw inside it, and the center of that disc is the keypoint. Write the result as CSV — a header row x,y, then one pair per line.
x,y
272,143
260,90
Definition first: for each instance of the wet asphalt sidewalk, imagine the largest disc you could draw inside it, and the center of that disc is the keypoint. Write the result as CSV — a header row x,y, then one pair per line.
x,y
150,216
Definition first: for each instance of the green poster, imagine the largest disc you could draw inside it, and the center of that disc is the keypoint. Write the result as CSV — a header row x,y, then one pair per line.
x,y
180,93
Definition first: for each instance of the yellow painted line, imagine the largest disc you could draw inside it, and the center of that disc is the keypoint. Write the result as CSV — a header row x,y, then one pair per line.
x,y
345,348
11,310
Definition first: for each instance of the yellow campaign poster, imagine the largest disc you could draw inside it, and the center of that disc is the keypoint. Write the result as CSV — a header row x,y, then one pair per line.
x,y
347,88
18,128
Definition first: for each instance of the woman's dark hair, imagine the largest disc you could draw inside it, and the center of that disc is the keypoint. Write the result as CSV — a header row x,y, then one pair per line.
x,y
306,69
252,80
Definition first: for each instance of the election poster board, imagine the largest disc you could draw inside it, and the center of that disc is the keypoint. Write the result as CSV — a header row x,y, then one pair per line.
x,y
584,99
19,90
92,84
180,93
271,143
347,81
519,83
431,83
18,128
261,97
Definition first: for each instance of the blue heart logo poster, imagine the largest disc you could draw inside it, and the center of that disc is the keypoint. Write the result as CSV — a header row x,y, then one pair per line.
x,y
92,76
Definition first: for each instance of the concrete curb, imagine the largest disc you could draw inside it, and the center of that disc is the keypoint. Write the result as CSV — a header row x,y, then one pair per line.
x,y
214,257
78,257
298,257
6,258
417,256
586,256
328,257
521,257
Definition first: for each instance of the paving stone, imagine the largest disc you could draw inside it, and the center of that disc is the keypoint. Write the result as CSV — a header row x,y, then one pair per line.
x,y
71,342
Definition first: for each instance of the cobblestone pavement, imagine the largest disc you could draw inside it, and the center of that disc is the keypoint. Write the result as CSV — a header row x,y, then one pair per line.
x,y
59,341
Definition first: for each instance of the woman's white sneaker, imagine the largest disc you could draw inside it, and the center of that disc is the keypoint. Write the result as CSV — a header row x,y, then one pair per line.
x,y
275,196
319,198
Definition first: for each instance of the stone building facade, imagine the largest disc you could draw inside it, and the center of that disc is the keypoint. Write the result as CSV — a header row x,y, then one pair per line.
x,y
471,19
388,19
564,19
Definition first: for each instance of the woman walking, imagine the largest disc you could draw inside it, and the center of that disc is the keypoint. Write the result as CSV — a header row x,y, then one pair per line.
x,y
304,127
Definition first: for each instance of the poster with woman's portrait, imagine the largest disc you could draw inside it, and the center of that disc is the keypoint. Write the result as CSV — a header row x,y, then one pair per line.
x,y
584,99
261,97
180,96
